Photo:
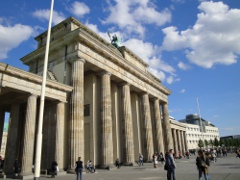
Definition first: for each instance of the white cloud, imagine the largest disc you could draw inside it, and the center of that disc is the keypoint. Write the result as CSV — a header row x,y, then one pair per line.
x,y
43,15
183,66
183,91
214,39
134,14
148,52
12,36
79,9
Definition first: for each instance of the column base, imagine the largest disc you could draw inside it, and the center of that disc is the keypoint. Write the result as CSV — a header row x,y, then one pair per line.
x,y
128,164
107,167
14,176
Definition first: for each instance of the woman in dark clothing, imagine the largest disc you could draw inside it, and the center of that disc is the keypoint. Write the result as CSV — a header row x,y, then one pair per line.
x,y
54,169
203,164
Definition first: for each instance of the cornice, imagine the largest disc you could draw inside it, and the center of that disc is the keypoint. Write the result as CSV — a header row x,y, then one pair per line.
x,y
7,69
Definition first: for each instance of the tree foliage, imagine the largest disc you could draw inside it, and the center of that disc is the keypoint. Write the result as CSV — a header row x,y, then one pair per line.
x,y
200,143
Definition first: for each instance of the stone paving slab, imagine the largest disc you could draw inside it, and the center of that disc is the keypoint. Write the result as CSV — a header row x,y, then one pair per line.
x,y
227,168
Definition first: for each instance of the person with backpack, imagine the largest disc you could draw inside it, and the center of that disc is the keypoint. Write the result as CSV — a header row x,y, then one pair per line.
x,y
79,168
203,164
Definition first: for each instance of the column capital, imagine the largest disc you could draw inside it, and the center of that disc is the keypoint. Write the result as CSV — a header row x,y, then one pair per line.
x,y
104,73
76,58
124,83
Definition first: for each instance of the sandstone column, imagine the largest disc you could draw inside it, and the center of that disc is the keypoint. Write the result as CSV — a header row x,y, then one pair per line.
x,y
128,149
147,124
167,128
59,146
76,113
160,146
185,141
179,142
29,136
106,117
175,141
182,142
11,147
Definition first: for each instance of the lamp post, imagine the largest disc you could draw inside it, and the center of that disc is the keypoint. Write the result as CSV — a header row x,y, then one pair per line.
x,y
38,152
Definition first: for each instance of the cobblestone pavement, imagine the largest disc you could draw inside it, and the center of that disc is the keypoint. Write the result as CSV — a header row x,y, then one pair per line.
x,y
226,168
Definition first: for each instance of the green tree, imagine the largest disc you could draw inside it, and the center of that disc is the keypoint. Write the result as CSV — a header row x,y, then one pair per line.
x,y
211,142
216,142
227,143
206,143
200,143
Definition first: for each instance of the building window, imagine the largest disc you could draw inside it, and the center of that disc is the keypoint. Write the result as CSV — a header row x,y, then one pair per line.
x,y
87,110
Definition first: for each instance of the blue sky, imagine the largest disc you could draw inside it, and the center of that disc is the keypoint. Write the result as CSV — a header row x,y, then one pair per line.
x,y
193,46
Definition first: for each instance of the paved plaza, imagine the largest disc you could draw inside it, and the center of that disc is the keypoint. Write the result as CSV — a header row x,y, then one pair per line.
x,y
226,168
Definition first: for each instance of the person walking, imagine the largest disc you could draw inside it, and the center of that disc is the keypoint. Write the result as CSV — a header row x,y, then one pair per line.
x,y
140,160
203,164
54,169
171,165
79,168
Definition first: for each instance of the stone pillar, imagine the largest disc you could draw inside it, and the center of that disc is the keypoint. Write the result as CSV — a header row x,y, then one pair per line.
x,y
106,117
29,136
179,142
11,148
59,146
167,128
185,140
76,113
147,125
182,143
2,118
175,141
157,114
128,149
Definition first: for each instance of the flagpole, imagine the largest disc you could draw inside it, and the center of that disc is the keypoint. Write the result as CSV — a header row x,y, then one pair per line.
x,y
200,119
38,152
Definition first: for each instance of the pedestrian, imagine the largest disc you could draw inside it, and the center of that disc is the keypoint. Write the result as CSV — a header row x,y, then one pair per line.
x,y
79,168
161,157
203,164
170,165
117,163
155,160
16,167
54,169
140,160
90,167
1,164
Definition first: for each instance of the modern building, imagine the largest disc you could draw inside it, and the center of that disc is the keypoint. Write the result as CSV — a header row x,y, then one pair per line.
x,y
4,139
198,128
101,103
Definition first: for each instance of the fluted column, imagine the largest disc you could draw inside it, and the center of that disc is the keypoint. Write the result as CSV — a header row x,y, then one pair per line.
x,y
106,117
128,149
175,141
167,128
59,134
147,124
182,141
77,117
157,114
185,141
179,141
11,147
29,135
2,118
